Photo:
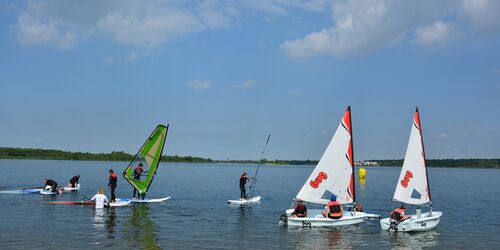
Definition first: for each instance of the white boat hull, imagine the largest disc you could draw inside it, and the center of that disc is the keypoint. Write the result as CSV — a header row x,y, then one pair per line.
x,y
427,221
316,219
245,201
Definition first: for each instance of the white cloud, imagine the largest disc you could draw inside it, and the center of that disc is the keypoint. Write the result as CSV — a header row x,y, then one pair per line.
x,y
436,33
247,85
200,85
442,135
483,15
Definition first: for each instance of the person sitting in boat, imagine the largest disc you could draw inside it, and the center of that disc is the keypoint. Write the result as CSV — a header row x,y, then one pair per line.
x,y
333,209
358,207
74,181
243,182
50,184
100,198
113,179
398,215
300,210
137,176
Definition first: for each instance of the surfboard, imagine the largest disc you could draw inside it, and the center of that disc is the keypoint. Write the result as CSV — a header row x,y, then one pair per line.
x,y
69,189
118,203
245,201
47,192
145,200
22,191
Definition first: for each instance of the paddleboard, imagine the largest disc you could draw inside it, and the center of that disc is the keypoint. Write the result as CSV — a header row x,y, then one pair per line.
x,y
47,192
145,200
90,203
22,191
245,201
69,189
118,203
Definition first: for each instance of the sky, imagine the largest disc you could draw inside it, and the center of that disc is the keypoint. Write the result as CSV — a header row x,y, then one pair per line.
x,y
98,76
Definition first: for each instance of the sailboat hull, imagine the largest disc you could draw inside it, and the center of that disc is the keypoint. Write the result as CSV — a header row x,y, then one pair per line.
x,y
427,221
316,219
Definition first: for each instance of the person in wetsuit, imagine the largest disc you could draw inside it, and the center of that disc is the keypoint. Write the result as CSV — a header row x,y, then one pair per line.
x,y
74,181
51,183
113,179
243,182
137,176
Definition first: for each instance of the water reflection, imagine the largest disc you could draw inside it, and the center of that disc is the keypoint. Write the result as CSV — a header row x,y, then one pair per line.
x,y
321,238
414,240
99,218
111,223
140,230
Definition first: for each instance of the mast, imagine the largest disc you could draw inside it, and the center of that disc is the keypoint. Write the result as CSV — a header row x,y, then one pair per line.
x,y
351,151
423,155
254,180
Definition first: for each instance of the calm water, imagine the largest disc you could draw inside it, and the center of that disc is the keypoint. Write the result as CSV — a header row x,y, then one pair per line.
x,y
197,215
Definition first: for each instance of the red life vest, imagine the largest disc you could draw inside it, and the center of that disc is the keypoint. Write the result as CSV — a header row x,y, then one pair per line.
x,y
397,214
113,175
335,210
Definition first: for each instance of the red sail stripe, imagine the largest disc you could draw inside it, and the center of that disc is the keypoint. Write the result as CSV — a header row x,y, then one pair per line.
x,y
347,121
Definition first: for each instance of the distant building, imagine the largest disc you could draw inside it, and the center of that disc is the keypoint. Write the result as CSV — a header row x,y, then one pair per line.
x,y
366,163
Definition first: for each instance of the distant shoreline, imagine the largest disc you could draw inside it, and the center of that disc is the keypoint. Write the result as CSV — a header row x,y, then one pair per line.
x,y
52,154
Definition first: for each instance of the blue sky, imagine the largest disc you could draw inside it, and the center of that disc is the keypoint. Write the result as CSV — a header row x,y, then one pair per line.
x,y
98,76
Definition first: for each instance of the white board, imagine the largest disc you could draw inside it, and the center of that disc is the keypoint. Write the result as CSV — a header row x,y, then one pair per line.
x,y
118,203
47,192
145,200
245,201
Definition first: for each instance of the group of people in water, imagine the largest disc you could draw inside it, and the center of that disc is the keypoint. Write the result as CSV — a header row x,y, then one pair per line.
x,y
100,198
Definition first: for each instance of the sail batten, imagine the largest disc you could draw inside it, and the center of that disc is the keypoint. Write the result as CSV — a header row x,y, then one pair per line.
x,y
334,172
412,186
149,155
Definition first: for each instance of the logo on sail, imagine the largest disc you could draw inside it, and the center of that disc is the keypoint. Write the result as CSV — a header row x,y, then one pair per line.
x,y
406,179
321,176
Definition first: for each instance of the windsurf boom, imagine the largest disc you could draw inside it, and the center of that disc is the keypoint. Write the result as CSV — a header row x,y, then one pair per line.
x,y
149,155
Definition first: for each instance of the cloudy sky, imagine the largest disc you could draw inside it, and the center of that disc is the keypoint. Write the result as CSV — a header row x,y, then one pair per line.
x,y
99,75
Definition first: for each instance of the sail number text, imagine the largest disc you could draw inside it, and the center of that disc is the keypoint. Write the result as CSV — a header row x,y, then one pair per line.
x,y
321,176
406,179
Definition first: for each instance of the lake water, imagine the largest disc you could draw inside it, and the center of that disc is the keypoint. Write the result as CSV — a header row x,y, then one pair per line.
x,y
197,215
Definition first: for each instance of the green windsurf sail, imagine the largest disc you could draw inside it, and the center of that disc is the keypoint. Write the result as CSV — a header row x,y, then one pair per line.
x,y
149,155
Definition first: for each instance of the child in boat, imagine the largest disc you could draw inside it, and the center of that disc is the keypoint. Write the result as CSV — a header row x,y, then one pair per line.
x,y
398,215
300,210
100,198
333,210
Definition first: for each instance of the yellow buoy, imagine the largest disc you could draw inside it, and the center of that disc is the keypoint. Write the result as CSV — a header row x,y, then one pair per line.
x,y
362,173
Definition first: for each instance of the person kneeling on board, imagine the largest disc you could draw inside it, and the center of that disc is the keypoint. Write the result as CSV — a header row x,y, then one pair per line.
x,y
137,176
50,184
300,210
100,199
398,215
113,179
333,209
74,181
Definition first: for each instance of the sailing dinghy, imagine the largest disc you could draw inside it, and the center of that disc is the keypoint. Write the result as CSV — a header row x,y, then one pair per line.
x,y
252,198
334,174
413,186
149,155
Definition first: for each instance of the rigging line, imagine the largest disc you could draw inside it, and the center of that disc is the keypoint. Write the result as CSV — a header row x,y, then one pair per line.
x,y
252,185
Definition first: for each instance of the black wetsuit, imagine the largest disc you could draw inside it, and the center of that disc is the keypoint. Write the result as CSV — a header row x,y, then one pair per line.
x,y
243,181
74,181
137,176
113,179
51,183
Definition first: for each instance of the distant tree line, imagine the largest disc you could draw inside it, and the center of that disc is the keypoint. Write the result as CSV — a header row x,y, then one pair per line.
x,y
450,163
52,154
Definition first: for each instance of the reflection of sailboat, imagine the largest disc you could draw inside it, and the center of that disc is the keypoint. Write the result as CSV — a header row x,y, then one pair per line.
x,y
324,238
140,230
413,186
334,174
415,241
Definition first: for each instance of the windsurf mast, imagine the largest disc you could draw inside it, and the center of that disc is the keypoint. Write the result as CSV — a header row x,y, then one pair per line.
x,y
149,156
254,180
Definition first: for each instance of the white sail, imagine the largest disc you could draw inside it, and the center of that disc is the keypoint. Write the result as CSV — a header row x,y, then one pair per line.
x,y
412,186
334,172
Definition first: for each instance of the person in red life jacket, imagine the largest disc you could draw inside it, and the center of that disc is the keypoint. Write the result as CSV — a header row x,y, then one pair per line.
x,y
300,210
333,209
243,182
74,181
137,176
398,215
49,183
113,179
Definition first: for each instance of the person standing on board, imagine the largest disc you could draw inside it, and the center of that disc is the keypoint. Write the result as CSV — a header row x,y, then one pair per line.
x,y
333,209
74,181
113,179
300,210
50,183
243,182
137,176
100,198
